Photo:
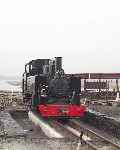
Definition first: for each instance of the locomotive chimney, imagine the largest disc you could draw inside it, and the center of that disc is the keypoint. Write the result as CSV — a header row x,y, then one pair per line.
x,y
58,63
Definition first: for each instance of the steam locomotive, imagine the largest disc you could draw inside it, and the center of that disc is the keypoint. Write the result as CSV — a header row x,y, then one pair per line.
x,y
47,89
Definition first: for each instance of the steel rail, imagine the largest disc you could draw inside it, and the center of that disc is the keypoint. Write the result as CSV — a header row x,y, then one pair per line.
x,y
77,134
89,131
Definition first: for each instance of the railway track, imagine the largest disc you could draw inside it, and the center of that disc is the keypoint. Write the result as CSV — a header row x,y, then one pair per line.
x,y
93,140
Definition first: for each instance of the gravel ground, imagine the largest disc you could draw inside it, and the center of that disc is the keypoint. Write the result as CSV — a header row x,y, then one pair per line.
x,y
108,121
111,111
18,133
9,125
34,139
41,144
17,127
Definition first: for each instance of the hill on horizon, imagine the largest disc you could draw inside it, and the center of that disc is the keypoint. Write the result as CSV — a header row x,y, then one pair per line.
x,y
5,77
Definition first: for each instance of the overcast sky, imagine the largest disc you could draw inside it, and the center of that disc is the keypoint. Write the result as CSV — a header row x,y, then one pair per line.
x,y
86,33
